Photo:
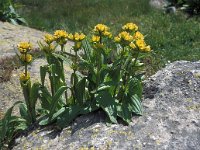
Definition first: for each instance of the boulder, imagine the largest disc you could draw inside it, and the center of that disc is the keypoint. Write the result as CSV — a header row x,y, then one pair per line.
x,y
170,120
159,4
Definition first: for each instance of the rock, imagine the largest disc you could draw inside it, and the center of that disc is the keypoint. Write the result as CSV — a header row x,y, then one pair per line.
x,y
170,120
11,35
159,4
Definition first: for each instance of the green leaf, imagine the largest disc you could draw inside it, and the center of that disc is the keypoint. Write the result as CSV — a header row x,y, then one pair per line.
x,y
103,72
80,91
24,113
43,71
108,104
135,87
46,98
34,94
64,58
88,107
56,99
6,121
124,112
44,122
135,104
68,116
59,112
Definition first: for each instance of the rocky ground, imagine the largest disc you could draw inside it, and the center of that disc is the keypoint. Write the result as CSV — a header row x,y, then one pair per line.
x,y
170,121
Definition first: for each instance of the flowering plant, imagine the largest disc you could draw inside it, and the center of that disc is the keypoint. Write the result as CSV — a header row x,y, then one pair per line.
x,y
106,75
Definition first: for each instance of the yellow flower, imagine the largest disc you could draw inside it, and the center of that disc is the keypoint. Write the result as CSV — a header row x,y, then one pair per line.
x,y
27,58
108,34
71,36
130,27
24,47
142,46
100,28
24,77
95,38
76,36
60,36
132,45
48,38
125,36
117,39
79,37
138,35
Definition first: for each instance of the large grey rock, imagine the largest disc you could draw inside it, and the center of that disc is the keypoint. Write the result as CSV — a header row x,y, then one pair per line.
x,y
171,119
158,3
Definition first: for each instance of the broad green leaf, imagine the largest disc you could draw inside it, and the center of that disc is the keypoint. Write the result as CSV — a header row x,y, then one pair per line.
x,y
135,87
103,72
34,94
59,112
43,71
135,104
64,58
68,115
44,122
102,88
6,121
46,98
24,113
123,112
56,99
88,107
80,91
108,104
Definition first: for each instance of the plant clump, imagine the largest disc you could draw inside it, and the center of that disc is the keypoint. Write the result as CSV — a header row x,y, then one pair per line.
x,y
106,76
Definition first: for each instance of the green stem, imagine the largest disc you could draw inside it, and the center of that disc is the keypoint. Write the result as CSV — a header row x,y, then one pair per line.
x,y
62,48
74,72
26,66
121,58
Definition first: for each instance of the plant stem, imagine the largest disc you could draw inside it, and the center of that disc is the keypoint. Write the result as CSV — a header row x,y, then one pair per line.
x,y
26,66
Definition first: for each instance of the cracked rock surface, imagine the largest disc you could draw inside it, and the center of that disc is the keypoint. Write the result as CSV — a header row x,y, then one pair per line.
x,y
171,119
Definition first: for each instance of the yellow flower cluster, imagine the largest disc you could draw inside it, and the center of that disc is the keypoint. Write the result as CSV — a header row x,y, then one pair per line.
x,y
143,46
24,77
130,27
27,58
132,45
138,35
48,38
123,37
60,37
101,29
135,39
95,38
76,37
24,47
